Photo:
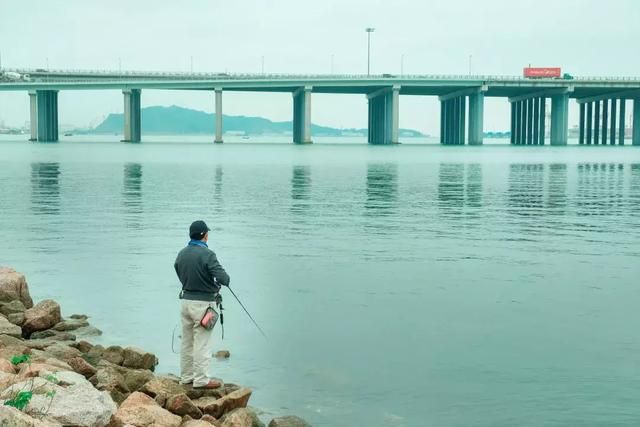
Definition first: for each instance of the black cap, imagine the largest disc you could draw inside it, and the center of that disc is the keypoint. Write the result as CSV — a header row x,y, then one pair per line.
x,y
198,229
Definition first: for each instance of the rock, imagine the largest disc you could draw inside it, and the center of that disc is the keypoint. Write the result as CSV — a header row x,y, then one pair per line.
x,y
162,388
70,325
94,355
109,379
29,370
241,417
84,346
288,421
223,354
36,384
41,316
7,352
53,335
14,286
88,331
79,316
81,366
11,417
13,307
219,407
7,367
208,418
7,380
43,344
78,404
139,359
6,340
16,318
195,393
133,378
181,405
114,354
201,422
8,328
141,410
62,352
230,388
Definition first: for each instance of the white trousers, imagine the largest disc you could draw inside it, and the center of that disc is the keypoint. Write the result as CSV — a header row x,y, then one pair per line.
x,y
197,344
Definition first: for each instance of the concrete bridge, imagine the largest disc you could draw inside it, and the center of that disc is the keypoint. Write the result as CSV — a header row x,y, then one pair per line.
x,y
603,101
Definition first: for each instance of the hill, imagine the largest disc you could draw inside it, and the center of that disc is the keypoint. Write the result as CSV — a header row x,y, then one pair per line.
x,y
176,120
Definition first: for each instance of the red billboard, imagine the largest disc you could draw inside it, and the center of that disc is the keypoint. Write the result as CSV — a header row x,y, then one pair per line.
x,y
542,72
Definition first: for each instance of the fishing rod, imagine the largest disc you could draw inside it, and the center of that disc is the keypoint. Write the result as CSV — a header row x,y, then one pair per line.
x,y
246,311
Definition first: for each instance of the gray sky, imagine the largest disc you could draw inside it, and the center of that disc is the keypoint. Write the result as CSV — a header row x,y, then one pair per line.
x,y
584,37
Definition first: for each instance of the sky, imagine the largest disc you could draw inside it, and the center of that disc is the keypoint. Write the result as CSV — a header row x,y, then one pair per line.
x,y
490,37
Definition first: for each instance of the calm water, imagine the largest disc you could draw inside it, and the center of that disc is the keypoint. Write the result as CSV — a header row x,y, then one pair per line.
x,y
399,286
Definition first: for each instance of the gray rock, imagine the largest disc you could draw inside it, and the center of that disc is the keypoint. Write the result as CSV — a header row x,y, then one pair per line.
x,y
70,325
14,286
16,318
79,316
288,421
87,331
62,352
53,335
11,417
41,316
8,328
241,417
13,307
139,359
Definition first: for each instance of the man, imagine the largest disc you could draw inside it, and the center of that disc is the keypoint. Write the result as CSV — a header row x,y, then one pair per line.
x,y
201,275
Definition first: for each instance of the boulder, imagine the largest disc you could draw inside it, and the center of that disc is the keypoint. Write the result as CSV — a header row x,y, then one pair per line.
x,y
214,421
41,316
197,393
36,384
139,359
14,286
62,352
223,354
12,417
141,410
28,370
84,346
8,328
53,335
241,417
7,367
218,407
79,316
70,325
109,379
88,331
7,379
16,318
78,404
199,423
94,355
288,421
81,366
133,378
113,354
7,352
162,388
13,307
180,404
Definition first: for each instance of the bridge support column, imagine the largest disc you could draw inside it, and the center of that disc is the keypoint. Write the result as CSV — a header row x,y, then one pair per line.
x,y
636,122
218,139
47,113
612,126
523,122
581,124
559,119
530,122
596,124
302,115
476,118
33,116
589,123
621,126
605,120
536,121
384,116
132,122
543,117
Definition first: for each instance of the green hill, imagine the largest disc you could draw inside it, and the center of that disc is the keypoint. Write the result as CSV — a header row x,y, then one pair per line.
x,y
176,120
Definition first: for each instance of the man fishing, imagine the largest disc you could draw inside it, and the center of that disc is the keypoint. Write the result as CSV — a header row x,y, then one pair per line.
x,y
201,276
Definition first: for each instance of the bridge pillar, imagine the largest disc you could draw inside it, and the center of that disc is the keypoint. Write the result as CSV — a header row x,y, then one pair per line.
x,y
476,118
384,116
605,120
523,122
33,116
559,119
218,139
530,121
612,125
47,113
132,122
621,125
636,122
302,115
596,124
543,117
589,123
581,125
536,121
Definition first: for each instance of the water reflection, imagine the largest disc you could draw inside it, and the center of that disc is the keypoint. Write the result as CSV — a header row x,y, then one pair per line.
x,y
525,195
459,186
599,189
132,194
634,186
300,188
557,194
217,190
382,189
45,188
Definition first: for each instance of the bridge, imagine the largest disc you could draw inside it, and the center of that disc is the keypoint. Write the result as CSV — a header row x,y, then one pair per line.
x,y
602,100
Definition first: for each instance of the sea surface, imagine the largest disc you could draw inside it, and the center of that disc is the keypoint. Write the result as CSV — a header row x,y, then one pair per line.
x,y
410,285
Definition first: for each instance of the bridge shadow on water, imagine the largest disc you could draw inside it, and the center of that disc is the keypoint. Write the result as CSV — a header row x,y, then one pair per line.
x,y
132,195
460,189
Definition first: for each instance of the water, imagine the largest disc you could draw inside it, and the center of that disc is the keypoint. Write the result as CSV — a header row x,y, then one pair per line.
x,y
399,286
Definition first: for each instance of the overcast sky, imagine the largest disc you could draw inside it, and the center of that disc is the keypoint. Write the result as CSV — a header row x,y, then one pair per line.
x,y
584,37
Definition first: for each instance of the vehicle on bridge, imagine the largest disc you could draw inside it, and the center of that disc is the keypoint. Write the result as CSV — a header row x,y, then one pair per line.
x,y
12,75
542,72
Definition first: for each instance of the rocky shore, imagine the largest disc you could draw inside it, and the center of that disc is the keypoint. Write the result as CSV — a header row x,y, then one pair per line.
x,y
51,375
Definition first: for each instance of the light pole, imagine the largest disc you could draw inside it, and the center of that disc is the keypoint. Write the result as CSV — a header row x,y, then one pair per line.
x,y
369,30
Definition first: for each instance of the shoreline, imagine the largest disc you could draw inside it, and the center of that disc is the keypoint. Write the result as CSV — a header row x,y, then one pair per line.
x,y
51,375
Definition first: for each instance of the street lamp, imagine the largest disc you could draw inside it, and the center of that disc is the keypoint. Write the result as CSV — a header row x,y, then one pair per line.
x,y
369,30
